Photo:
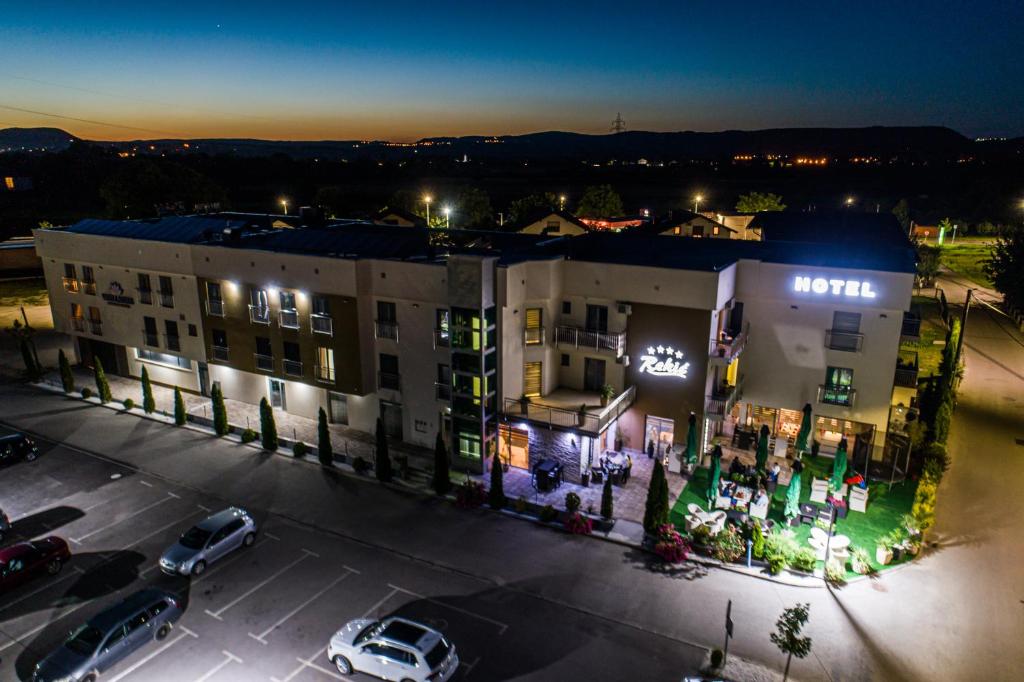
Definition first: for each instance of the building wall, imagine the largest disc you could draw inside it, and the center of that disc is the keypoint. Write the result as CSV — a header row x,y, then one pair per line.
x,y
565,227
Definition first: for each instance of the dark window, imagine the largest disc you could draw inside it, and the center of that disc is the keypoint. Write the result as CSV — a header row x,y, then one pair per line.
x,y
287,299
388,363
87,275
321,306
173,340
846,322
220,338
597,318
567,307
565,360
69,271
116,637
213,291
150,325
163,358
138,620
166,287
263,346
339,407
292,351
192,331
444,374
386,312
145,289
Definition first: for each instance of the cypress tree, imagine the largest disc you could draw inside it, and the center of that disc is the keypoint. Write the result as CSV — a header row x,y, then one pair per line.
x,y
268,429
606,498
382,460
67,378
102,385
31,368
496,494
324,451
220,412
179,407
656,508
442,480
148,403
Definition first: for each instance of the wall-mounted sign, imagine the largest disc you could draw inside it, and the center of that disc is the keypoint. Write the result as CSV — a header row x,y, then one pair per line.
x,y
115,295
853,288
664,361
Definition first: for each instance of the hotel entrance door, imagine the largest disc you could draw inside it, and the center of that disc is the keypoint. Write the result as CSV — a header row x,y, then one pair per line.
x,y
659,434
514,446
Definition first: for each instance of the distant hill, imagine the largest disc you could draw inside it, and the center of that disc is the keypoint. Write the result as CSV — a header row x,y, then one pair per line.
x,y
45,139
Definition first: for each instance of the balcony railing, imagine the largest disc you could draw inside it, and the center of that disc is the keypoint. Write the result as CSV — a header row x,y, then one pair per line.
x,y
166,299
533,336
386,329
842,396
588,422
215,307
910,332
292,367
96,327
70,284
150,339
906,370
259,314
264,363
729,349
845,341
146,296
219,353
578,337
442,390
722,400
389,381
89,287
324,373
321,324
78,324
288,319
442,338
173,342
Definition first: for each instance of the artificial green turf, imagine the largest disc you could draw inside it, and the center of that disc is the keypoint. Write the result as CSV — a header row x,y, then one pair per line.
x,y
884,511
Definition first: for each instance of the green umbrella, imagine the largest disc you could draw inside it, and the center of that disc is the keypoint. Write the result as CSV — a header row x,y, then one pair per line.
x,y
805,430
762,449
691,440
838,467
792,508
711,494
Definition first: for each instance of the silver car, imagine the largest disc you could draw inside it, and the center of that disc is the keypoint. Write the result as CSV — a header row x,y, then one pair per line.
x,y
208,541
110,636
393,649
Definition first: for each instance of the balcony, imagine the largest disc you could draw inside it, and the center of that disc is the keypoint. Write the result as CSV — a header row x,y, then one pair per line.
x,y
259,314
78,324
849,342
321,324
215,307
725,350
150,339
577,337
70,284
323,373
910,332
843,396
288,319
219,353
264,363
167,299
390,381
442,391
906,370
146,296
442,338
173,342
292,368
561,408
89,287
722,399
96,327
533,336
386,329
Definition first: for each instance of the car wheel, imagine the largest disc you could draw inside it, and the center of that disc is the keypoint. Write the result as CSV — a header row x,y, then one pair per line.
x,y
53,568
30,456
343,665
198,567
248,539
89,678
164,630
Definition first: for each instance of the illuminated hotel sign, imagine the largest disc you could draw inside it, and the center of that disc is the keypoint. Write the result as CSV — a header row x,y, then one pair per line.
x,y
664,361
853,288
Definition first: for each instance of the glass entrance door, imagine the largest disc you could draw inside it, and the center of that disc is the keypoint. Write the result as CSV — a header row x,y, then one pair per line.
x,y
277,398
659,435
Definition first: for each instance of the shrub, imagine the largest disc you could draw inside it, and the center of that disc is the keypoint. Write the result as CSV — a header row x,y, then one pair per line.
x,y
220,412
701,535
776,563
324,450
548,514
268,428
728,546
470,495
128,403
360,465
936,452
835,573
249,436
102,385
520,505
86,393
778,543
299,449
670,545
933,471
180,417
717,657
442,479
757,537
578,524
67,377
607,502
572,502
943,416
381,458
804,559
656,509
148,403
496,493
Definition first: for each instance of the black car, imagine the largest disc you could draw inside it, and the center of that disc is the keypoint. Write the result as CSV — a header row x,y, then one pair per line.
x,y
17,446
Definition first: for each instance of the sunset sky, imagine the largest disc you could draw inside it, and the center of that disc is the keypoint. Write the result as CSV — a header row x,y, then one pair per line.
x,y
401,70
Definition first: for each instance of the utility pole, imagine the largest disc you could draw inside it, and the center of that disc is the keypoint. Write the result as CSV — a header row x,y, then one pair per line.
x,y
618,125
728,632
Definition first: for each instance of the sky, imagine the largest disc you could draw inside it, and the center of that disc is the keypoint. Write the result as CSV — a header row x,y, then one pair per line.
x,y
400,70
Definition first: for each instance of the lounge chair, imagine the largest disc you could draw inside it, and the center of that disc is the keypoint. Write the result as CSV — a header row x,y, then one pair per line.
x,y
819,490
760,511
858,499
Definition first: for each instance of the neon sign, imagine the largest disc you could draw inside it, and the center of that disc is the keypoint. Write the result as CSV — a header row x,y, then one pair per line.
x,y
664,361
854,288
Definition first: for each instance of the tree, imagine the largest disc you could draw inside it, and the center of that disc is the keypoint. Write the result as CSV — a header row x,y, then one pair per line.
x,y
928,258
67,378
902,212
1006,267
496,493
442,481
24,333
324,451
755,202
656,509
945,228
102,385
179,408
472,208
148,403
220,411
600,201
606,498
268,428
382,460
521,208
787,636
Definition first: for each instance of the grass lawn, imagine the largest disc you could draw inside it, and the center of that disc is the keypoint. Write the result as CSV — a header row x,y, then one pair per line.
x,y
967,258
929,355
30,293
884,511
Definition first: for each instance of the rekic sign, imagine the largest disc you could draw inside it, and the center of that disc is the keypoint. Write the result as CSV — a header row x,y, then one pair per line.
x,y
664,361
853,288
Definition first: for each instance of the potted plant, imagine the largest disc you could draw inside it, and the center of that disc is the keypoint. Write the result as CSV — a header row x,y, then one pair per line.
x,y
607,393
860,561
896,538
524,404
838,505
883,550
583,414
572,502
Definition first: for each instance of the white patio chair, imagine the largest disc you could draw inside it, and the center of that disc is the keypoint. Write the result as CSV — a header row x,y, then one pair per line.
x,y
858,499
760,511
819,490
694,509
716,522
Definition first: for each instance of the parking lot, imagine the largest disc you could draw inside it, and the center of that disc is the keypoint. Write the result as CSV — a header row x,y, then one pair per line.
x,y
267,612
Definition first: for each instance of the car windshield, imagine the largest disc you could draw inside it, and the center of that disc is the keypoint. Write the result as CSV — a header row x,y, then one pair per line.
x,y
84,640
370,631
436,655
195,538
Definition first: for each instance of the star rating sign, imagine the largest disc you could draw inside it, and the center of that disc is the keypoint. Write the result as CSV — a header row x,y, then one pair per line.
x,y
650,350
679,355
670,350
661,349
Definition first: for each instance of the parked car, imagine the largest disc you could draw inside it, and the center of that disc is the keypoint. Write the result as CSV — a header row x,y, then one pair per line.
x,y
17,446
393,649
208,541
24,561
5,525
110,636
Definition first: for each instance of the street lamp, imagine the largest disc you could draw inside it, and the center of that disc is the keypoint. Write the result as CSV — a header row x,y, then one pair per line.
x,y
849,202
284,205
696,201
561,202
447,217
426,200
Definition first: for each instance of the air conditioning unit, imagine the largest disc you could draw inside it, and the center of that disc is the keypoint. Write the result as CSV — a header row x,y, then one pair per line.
x,y
623,360
625,309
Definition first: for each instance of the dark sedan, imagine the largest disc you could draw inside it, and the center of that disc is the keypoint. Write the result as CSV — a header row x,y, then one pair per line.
x,y
17,446
24,561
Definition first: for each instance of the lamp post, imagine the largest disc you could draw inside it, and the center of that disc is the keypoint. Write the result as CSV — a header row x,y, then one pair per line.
x,y
284,206
696,201
447,217
849,202
561,202
426,200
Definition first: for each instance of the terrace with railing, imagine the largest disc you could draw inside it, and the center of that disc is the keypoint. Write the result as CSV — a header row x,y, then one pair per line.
x,y
578,337
570,409
906,369
722,400
727,348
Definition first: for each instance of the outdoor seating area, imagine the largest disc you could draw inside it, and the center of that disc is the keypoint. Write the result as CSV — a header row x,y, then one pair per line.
x,y
617,466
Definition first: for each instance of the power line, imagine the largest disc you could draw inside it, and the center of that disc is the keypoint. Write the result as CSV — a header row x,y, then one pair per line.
x,y
88,120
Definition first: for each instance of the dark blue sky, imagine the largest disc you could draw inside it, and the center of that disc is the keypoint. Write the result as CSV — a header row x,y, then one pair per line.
x,y
403,70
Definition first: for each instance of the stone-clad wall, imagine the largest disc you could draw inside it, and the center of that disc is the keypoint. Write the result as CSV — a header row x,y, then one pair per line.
x,y
554,444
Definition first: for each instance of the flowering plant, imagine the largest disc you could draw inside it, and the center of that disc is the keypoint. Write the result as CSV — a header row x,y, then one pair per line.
x,y
578,524
470,495
670,545
836,502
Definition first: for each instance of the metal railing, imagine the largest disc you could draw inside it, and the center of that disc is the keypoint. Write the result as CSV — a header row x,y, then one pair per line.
x,y
721,401
264,363
150,339
910,331
578,337
167,299
173,342
843,396
219,353
96,327
215,307
906,370
389,381
292,367
385,329
442,338
533,336
259,314
89,287
729,349
145,296
288,319
850,342
70,284
78,324
323,373
321,324
589,422
442,391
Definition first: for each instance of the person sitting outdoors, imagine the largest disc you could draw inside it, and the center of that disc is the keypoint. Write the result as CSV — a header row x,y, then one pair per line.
x,y
760,497
736,466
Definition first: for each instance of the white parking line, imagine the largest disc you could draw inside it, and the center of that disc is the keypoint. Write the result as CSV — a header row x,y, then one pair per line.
x,y
216,614
170,496
502,627
185,632
271,535
224,564
146,483
77,571
228,659
205,509
469,666
261,638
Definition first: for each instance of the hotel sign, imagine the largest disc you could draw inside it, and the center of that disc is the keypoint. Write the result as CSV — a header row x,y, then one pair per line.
x,y
116,296
850,288
663,361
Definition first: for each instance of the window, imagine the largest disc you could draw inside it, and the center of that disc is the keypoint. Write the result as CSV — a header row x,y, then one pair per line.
x,y
145,289
386,325
88,280
567,307
838,388
566,362
166,292
138,621
716,230
389,377
114,638
149,333
325,364
95,323
171,330
469,446
697,231
214,299
70,278
846,322
320,318
443,384
192,331
339,407
845,333
287,299
386,311
264,354
532,372
442,322
292,359
220,344
163,358
534,326
597,318
321,306
259,308
158,608
289,316
77,320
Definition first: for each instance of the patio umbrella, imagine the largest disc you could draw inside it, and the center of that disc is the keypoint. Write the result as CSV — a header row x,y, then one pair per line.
x,y
691,440
762,448
838,467
805,430
711,494
792,508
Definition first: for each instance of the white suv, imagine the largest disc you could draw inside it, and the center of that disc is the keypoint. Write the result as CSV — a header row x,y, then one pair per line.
x,y
393,649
